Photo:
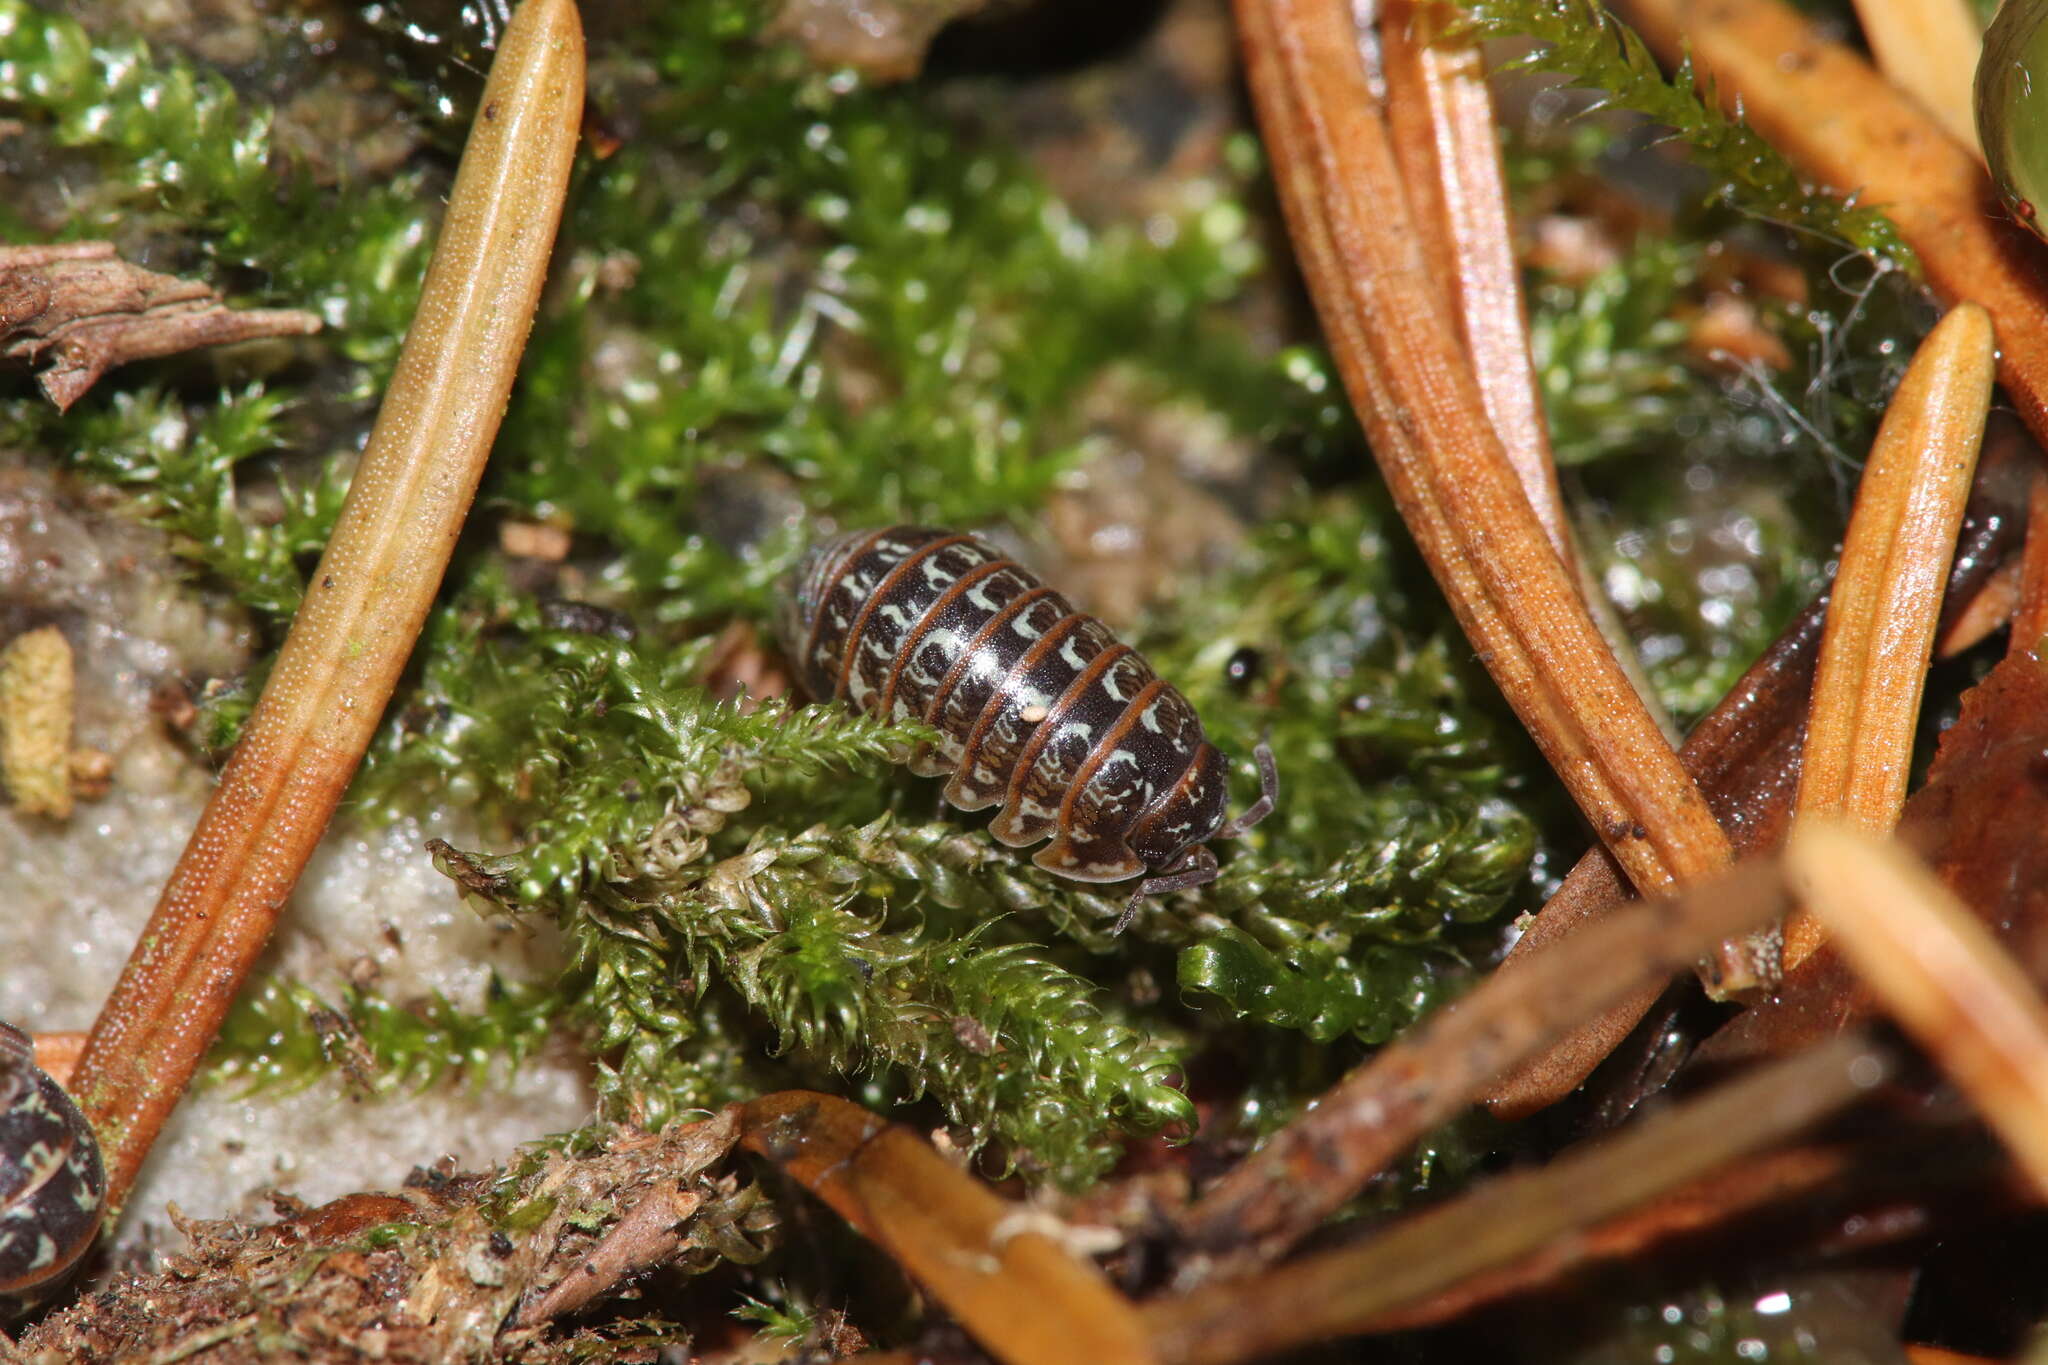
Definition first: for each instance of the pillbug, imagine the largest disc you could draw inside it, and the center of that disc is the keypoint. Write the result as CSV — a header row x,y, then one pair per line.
x,y
52,1186
1038,707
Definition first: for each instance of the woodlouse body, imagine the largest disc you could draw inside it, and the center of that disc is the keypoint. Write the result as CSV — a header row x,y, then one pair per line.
x,y
1039,707
52,1186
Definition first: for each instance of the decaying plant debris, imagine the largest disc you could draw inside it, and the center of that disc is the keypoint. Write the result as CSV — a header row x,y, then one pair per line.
x,y
85,312
863,1081
485,1263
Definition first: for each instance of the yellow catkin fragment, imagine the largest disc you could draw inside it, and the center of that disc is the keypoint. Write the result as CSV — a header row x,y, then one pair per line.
x,y
35,722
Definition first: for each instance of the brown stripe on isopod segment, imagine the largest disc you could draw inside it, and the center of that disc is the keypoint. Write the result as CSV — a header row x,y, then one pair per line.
x,y
831,612
988,659
848,585
1095,816
1130,772
1018,697
1057,750
899,612
892,576
1021,701
942,635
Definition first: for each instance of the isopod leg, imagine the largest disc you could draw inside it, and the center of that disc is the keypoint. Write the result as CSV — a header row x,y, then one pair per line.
x,y
1269,793
1198,868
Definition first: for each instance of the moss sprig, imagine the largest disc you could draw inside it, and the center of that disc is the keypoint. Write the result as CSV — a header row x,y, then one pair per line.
x,y
609,761
284,1034
178,464
1611,354
1011,1044
1589,46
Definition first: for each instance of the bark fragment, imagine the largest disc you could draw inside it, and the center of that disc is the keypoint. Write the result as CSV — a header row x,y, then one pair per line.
x,y
85,311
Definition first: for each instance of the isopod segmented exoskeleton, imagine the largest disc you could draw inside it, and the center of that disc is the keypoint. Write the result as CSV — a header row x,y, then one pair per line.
x,y
52,1186
1038,707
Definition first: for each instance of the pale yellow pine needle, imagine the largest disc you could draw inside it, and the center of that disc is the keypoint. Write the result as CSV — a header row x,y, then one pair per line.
x,y
1938,971
1928,48
1886,601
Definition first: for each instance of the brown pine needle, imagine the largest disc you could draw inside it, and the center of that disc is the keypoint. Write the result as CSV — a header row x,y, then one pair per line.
x,y
365,604
1315,1164
1407,375
2030,617
1928,48
1440,113
1938,971
1025,1297
1886,601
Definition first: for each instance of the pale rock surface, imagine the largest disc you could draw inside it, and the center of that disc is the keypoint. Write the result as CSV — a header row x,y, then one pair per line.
x,y
73,894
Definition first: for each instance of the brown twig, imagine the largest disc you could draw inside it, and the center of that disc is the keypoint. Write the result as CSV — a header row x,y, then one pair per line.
x,y
1026,1298
365,604
1324,1158
1938,972
88,312
650,1233
1761,1182
1365,1287
1407,376
1849,129
1886,600
1824,1192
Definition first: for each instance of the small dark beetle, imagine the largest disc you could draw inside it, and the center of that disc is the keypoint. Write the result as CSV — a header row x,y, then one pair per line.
x,y
1037,706
52,1186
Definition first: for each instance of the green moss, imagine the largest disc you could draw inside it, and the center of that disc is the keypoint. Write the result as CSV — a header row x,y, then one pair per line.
x,y
825,279
1590,47
283,1034
179,465
1611,354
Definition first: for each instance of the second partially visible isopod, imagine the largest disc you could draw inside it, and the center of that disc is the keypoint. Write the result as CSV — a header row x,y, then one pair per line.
x,y
52,1185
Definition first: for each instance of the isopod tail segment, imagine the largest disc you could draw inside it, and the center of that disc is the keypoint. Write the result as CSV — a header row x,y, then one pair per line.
x,y
1197,865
